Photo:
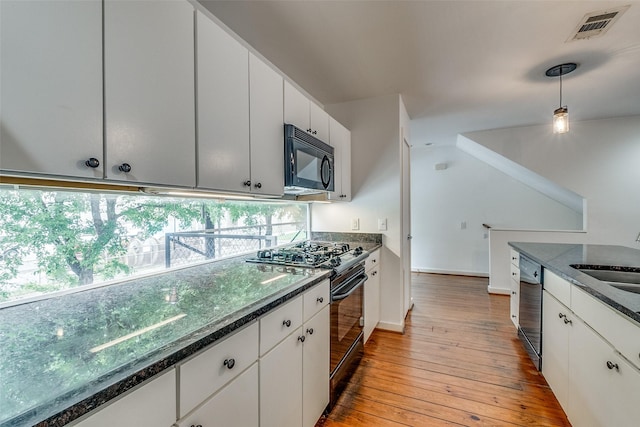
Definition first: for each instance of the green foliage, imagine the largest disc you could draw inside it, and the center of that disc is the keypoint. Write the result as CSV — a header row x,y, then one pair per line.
x,y
76,237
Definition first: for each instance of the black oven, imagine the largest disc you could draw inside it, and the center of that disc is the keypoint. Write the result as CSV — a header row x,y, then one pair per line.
x,y
346,329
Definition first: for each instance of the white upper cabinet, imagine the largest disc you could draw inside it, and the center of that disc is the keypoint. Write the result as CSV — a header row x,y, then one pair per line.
x,y
266,128
304,114
223,109
149,92
51,79
319,122
340,139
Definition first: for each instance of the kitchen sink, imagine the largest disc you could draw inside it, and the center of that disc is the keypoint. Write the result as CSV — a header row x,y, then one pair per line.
x,y
614,276
628,281
627,287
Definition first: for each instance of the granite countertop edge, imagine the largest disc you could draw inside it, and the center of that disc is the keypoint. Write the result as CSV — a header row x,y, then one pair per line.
x,y
560,260
218,330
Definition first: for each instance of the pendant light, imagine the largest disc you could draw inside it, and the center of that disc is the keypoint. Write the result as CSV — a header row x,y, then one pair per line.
x,y
561,114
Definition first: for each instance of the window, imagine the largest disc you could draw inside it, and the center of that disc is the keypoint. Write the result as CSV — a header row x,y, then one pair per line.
x,y
53,241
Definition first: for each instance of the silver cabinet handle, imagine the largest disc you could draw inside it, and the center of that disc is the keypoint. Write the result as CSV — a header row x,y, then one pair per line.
x,y
612,365
286,323
229,363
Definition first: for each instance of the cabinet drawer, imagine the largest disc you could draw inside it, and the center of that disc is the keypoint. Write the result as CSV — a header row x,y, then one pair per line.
x,y
558,287
622,333
514,257
372,260
315,299
151,405
236,405
205,374
275,326
515,273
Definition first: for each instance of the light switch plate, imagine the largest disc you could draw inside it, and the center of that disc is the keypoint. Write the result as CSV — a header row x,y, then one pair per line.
x,y
355,223
382,224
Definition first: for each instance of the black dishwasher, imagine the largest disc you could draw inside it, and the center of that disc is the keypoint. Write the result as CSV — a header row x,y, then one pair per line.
x,y
530,316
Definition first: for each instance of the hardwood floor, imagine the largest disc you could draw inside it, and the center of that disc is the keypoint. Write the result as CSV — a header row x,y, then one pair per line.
x,y
458,363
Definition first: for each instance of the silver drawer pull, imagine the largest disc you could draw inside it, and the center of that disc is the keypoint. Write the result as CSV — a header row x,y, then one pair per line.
x,y
286,323
612,365
320,300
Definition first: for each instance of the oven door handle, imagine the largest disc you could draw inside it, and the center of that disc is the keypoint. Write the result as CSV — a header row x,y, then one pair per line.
x,y
343,294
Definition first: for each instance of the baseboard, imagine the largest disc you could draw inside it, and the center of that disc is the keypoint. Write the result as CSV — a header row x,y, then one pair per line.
x,y
452,272
498,291
393,327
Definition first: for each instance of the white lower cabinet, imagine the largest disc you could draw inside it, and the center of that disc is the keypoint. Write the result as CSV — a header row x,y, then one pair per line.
x,y
235,405
294,374
372,294
151,405
281,384
515,287
604,387
315,368
555,345
594,383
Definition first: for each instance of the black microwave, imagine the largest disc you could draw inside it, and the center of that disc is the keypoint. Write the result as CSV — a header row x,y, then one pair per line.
x,y
308,163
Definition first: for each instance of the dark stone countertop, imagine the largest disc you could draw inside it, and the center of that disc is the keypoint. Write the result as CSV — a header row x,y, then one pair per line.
x,y
63,356
560,257
369,241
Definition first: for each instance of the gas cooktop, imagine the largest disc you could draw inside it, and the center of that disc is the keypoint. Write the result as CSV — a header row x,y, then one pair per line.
x,y
314,254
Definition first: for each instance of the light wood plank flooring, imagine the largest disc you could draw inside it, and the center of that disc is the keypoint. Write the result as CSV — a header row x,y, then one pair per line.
x,y
458,363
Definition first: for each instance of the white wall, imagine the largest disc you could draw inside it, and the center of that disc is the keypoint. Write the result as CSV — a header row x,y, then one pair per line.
x,y
470,191
598,159
375,187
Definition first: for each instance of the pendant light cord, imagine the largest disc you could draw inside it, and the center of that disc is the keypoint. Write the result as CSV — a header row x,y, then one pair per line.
x,y
561,88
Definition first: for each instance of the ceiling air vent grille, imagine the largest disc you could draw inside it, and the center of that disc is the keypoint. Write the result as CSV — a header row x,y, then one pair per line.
x,y
596,24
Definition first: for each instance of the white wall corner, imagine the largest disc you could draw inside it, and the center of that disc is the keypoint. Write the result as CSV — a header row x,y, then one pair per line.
x,y
527,177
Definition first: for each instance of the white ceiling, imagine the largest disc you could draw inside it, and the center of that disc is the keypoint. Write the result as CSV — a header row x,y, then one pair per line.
x,y
460,65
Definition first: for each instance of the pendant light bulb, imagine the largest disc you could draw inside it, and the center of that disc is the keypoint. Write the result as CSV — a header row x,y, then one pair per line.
x,y
561,120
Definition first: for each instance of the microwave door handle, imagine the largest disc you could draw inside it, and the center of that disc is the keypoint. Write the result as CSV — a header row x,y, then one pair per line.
x,y
325,159
341,296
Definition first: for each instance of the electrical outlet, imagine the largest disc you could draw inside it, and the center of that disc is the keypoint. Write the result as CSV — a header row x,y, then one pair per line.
x,y
382,224
355,223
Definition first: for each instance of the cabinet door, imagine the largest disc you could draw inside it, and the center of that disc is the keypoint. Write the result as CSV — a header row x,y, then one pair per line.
x,y
555,346
315,367
266,129
151,405
281,384
371,302
319,122
223,109
236,405
296,107
340,139
604,388
149,91
51,79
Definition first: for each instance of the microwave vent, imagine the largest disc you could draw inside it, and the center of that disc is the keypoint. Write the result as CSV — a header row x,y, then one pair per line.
x,y
595,24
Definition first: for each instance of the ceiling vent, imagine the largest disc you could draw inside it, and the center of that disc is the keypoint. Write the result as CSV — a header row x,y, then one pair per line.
x,y
595,24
